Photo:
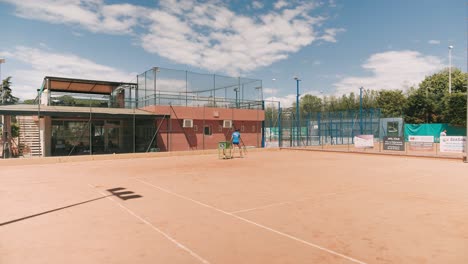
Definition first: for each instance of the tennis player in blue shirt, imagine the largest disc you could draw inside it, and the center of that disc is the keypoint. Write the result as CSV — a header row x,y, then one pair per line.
x,y
235,139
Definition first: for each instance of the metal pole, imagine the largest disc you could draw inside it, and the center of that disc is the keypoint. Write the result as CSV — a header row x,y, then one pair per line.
x,y
237,103
450,69
297,111
1,82
360,109
154,95
214,90
279,124
465,159
1,102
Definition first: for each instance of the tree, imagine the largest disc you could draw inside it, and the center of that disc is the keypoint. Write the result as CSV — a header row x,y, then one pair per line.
x,y
29,101
391,102
438,83
419,108
271,116
6,96
310,104
455,109
432,103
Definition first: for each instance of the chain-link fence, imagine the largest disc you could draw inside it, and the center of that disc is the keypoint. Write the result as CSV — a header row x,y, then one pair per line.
x,y
160,86
362,130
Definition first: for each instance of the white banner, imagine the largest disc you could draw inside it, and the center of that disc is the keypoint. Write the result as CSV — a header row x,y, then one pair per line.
x,y
364,141
421,139
271,144
452,144
421,143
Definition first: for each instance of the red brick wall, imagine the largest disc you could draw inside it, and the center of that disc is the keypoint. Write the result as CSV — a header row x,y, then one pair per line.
x,y
173,137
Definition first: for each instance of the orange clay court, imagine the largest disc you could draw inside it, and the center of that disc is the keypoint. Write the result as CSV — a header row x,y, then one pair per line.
x,y
270,207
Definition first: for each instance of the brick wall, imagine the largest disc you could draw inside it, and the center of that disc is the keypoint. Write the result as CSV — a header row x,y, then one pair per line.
x,y
173,137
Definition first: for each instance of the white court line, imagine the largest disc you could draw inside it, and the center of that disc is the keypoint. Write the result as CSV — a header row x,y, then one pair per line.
x,y
256,224
195,255
322,196
282,203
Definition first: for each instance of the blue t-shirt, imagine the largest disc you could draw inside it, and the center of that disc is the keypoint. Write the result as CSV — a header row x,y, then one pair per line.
x,y
235,137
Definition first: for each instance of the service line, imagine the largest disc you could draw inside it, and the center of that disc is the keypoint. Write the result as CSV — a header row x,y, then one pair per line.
x,y
254,223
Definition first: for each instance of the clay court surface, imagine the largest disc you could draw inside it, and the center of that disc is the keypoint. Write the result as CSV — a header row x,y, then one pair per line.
x,y
270,207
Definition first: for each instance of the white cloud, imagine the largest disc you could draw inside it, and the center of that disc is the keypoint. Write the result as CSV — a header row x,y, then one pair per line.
x,y
257,4
267,91
391,70
93,15
280,4
285,101
46,63
288,100
434,42
330,34
205,34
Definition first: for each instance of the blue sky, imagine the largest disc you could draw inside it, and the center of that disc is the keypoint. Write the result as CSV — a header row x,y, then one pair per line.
x,y
334,46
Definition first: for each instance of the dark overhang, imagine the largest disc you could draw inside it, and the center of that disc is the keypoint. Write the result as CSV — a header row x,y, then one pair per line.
x,y
71,85
70,111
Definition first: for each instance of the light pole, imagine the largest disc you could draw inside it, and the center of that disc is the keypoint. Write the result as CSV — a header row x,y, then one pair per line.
x,y
297,110
156,70
3,136
360,109
450,68
237,90
1,94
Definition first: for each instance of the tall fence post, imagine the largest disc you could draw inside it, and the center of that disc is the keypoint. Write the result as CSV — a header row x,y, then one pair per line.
x,y
280,134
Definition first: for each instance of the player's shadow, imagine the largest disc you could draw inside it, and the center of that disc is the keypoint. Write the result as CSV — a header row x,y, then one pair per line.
x,y
118,192
122,194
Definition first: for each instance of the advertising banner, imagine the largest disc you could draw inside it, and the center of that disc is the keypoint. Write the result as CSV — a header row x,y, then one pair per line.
x,y
452,144
364,141
424,143
394,143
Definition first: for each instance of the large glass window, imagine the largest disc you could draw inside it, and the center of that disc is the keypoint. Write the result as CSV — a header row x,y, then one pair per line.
x,y
101,136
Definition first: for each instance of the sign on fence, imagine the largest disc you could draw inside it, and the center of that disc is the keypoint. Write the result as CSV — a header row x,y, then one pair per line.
x,y
271,144
452,144
364,141
394,143
424,143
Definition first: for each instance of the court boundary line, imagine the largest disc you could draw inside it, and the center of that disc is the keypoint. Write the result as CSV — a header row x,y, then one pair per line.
x,y
390,154
177,243
255,224
324,195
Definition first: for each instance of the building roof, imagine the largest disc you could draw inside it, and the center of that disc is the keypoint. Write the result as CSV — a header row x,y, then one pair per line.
x,y
81,86
71,111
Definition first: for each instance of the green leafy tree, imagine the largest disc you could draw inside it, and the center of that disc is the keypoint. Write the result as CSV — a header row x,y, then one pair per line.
x,y
438,84
310,104
271,116
455,109
6,96
439,106
419,108
391,102
29,101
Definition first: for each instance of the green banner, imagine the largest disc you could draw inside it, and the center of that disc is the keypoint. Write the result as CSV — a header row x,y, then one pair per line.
x,y
432,130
